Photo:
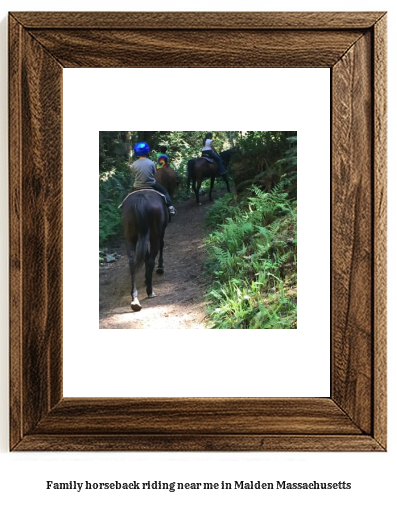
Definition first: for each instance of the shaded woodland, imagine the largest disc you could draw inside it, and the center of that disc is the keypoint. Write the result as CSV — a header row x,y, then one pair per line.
x,y
251,233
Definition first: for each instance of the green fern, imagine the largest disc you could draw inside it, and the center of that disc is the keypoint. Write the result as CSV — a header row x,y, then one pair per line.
x,y
251,257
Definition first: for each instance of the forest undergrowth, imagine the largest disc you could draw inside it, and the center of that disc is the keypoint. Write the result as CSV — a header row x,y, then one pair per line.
x,y
251,243
252,261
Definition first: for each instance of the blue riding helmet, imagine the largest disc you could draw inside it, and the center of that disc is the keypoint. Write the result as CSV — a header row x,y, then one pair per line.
x,y
141,149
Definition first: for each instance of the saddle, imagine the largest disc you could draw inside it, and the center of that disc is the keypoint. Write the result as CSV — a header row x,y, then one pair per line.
x,y
208,159
141,189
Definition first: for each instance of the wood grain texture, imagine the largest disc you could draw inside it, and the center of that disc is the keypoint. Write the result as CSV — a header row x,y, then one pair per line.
x,y
15,228
380,229
352,232
199,20
35,229
199,443
353,45
196,48
203,416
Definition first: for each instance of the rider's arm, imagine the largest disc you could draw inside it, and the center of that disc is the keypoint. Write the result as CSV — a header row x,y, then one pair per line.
x,y
213,148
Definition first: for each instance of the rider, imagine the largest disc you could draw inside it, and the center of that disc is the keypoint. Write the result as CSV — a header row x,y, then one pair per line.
x,y
162,158
144,170
209,150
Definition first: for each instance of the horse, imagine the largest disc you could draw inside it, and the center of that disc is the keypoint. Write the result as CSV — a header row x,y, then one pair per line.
x,y
198,169
227,155
167,177
145,218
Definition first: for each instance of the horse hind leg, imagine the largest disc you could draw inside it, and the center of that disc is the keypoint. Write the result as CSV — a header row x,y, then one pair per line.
x,y
149,267
160,267
197,190
211,187
135,304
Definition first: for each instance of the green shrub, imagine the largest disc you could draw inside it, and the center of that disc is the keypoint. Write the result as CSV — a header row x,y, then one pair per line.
x,y
251,256
114,186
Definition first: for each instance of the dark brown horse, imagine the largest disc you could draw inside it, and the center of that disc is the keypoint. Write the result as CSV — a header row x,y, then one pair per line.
x,y
167,177
199,169
145,218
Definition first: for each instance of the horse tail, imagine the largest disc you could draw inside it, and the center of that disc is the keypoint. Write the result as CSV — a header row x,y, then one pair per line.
x,y
142,222
190,166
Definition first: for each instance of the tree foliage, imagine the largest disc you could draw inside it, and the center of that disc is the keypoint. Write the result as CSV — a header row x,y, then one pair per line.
x,y
251,244
116,155
263,158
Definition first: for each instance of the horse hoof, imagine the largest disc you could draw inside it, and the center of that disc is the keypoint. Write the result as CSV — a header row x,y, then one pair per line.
x,y
135,305
152,295
160,271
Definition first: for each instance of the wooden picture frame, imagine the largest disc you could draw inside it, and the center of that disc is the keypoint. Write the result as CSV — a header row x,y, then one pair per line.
x,y
353,46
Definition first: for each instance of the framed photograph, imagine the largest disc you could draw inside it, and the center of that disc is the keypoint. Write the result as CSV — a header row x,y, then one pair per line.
x,y
353,46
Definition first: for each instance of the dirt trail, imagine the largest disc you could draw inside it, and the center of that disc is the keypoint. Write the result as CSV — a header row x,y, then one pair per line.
x,y
179,303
